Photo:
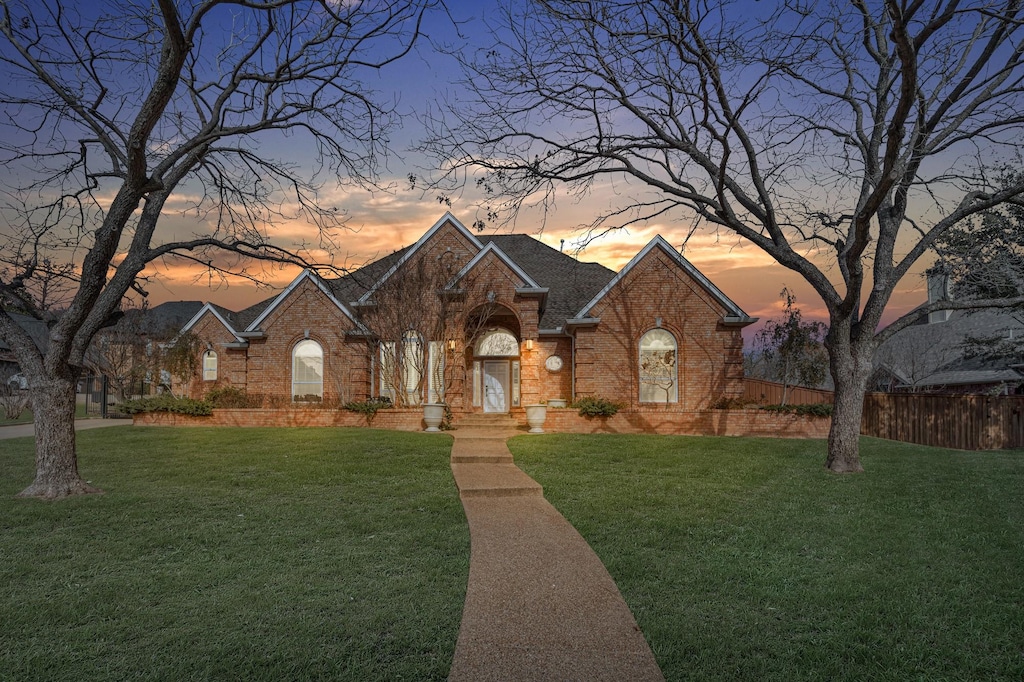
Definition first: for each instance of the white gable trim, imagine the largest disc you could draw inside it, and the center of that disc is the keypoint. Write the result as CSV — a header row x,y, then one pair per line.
x,y
446,218
306,274
512,265
207,308
659,242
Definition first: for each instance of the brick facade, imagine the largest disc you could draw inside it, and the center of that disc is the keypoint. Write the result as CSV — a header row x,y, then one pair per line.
x,y
450,288
657,294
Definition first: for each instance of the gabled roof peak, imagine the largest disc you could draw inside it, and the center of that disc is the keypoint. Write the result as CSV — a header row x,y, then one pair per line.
x,y
446,218
304,275
660,242
496,250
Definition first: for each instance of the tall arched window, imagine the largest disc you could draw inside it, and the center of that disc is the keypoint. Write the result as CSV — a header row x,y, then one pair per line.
x,y
307,372
209,366
659,375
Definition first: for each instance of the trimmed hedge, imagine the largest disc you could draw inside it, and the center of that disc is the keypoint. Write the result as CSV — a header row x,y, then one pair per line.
x,y
167,403
809,410
596,407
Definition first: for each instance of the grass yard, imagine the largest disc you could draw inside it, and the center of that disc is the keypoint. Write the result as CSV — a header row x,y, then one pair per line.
x,y
235,554
742,559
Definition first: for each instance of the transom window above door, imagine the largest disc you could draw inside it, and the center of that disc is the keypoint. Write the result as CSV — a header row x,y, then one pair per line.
x,y
497,343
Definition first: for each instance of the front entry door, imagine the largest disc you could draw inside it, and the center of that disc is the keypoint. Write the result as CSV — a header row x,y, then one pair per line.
x,y
496,393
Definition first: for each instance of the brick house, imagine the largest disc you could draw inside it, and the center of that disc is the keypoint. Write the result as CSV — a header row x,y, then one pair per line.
x,y
485,324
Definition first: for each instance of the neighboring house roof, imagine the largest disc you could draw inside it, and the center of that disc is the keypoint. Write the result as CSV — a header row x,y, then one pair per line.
x,y
932,354
161,320
38,331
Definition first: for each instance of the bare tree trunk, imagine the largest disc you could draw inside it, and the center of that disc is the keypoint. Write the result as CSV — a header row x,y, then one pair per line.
x,y
851,368
56,460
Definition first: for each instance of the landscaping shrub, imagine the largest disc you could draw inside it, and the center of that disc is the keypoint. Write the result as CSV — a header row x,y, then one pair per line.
x,y
231,397
808,410
167,403
596,407
369,408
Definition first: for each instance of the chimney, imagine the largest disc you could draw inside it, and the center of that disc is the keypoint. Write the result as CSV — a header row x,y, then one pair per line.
x,y
938,290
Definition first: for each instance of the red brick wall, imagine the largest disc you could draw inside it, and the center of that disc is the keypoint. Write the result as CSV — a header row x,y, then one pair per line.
x,y
346,375
709,357
231,365
748,423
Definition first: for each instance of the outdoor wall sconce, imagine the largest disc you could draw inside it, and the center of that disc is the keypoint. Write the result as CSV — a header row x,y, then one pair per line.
x,y
451,344
529,344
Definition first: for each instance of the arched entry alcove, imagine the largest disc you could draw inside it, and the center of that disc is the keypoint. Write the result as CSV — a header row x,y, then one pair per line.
x,y
495,365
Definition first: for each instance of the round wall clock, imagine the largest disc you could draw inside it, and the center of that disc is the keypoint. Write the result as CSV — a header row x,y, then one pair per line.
x,y
553,363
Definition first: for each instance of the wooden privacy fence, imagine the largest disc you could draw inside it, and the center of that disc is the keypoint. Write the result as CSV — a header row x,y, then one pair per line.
x,y
770,393
967,422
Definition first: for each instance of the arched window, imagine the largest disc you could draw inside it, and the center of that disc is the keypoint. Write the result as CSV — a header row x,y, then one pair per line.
x,y
659,376
209,366
307,372
497,343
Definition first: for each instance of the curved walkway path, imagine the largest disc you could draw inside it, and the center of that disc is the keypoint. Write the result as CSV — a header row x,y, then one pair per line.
x,y
540,604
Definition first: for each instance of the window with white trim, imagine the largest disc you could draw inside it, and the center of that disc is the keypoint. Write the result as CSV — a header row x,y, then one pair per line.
x,y
401,369
209,366
435,361
307,372
659,376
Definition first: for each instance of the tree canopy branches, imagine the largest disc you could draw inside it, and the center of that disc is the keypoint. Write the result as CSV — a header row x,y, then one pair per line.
x,y
843,139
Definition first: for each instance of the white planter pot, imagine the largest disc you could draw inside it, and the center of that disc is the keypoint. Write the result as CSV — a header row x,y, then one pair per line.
x,y
557,402
535,416
433,415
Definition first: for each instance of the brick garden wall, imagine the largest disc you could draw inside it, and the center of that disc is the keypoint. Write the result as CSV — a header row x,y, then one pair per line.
x,y
698,423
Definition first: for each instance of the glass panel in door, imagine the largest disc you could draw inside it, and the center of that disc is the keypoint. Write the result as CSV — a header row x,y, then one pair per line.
x,y
496,386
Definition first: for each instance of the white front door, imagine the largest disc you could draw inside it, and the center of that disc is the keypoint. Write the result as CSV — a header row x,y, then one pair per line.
x,y
496,386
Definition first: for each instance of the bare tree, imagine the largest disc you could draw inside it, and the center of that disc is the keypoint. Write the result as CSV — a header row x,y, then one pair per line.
x,y
415,316
791,349
841,138
117,115
984,255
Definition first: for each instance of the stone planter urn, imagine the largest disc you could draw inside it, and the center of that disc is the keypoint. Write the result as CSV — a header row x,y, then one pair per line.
x,y
433,415
535,416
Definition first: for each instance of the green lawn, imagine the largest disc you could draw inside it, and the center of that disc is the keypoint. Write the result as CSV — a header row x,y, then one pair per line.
x,y
742,559
26,416
235,554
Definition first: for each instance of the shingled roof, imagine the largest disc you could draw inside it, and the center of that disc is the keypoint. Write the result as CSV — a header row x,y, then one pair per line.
x,y
570,283
933,355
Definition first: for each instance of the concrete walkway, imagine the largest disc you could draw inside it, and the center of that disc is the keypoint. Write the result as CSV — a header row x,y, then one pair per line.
x,y
540,604
24,430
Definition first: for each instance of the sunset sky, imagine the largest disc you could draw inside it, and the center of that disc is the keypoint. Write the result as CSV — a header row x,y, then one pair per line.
x,y
380,222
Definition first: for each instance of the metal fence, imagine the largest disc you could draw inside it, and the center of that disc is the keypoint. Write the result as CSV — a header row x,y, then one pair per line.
x,y
101,399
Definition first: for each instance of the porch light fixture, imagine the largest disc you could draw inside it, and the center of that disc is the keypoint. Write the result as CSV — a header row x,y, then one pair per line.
x,y
451,344
529,344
